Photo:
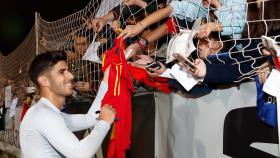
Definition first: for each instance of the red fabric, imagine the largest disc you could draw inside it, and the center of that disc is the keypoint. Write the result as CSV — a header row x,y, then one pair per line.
x,y
172,25
140,74
25,107
119,96
276,61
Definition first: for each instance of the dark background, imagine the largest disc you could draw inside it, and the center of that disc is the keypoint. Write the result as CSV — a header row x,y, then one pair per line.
x,y
18,16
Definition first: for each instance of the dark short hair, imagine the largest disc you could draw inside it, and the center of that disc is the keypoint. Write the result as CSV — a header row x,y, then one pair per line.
x,y
43,63
258,26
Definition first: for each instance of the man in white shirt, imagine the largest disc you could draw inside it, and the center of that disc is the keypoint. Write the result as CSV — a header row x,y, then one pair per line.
x,y
47,132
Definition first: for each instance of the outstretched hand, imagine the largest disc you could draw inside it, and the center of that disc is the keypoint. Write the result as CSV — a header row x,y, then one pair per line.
x,y
204,31
130,2
268,52
97,24
200,68
82,86
142,61
139,3
156,72
131,30
264,71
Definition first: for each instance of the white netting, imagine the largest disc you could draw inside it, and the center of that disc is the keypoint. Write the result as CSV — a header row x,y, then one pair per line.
x,y
243,46
85,48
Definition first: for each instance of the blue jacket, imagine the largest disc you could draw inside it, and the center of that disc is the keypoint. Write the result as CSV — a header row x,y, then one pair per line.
x,y
236,66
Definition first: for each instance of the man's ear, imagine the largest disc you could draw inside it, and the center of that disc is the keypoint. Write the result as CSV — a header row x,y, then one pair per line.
x,y
43,81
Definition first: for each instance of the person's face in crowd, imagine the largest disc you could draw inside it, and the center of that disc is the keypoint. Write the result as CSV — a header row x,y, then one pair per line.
x,y
59,80
81,44
208,47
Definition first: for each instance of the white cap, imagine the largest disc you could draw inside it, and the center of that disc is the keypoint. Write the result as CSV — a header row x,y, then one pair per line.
x,y
182,43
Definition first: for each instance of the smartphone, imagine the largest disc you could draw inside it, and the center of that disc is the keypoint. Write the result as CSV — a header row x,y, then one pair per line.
x,y
153,65
270,44
186,62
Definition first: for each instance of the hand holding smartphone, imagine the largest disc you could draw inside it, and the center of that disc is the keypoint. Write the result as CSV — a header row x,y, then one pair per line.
x,y
153,65
185,62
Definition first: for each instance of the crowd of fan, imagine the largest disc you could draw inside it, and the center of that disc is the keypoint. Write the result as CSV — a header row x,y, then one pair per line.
x,y
228,41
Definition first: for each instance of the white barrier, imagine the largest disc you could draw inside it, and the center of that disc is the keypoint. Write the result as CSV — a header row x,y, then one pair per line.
x,y
193,128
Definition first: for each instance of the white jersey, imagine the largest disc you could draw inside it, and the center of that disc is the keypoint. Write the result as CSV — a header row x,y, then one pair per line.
x,y
47,132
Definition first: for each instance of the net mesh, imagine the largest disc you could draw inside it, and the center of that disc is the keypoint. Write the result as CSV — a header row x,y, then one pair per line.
x,y
85,48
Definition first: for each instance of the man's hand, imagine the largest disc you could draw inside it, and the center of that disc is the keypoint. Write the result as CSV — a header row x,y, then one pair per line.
x,y
156,72
200,68
200,71
268,52
139,3
205,30
131,30
116,26
264,71
107,113
142,61
71,56
97,24
130,2
82,86
102,41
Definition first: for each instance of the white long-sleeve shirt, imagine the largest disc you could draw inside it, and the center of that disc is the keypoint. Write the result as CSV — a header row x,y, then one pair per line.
x,y
47,132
